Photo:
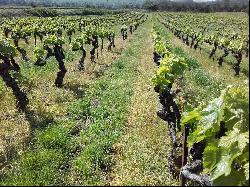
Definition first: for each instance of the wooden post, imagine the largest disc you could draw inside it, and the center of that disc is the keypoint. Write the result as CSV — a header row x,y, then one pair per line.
x,y
184,153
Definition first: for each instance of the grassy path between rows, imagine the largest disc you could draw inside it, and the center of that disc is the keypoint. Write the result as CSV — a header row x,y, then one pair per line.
x,y
141,154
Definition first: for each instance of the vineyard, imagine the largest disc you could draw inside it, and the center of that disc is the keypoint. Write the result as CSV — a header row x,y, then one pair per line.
x,y
131,98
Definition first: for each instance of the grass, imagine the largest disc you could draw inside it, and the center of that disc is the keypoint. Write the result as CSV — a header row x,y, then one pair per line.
x,y
198,86
141,155
225,73
229,60
107,106
69,148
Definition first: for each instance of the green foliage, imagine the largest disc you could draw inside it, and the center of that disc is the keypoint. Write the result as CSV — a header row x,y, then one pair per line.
x,y
78,43
53,40
246,169
39,53
7,48
192,63
171,65
170,68
102,32
237,46
222,154
161,47
124,27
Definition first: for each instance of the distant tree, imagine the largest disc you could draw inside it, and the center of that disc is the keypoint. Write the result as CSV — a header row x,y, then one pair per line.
x,y
33,4
151,5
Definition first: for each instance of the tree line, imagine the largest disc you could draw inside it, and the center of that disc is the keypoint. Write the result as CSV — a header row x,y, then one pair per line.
x,y
209,6
150,5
